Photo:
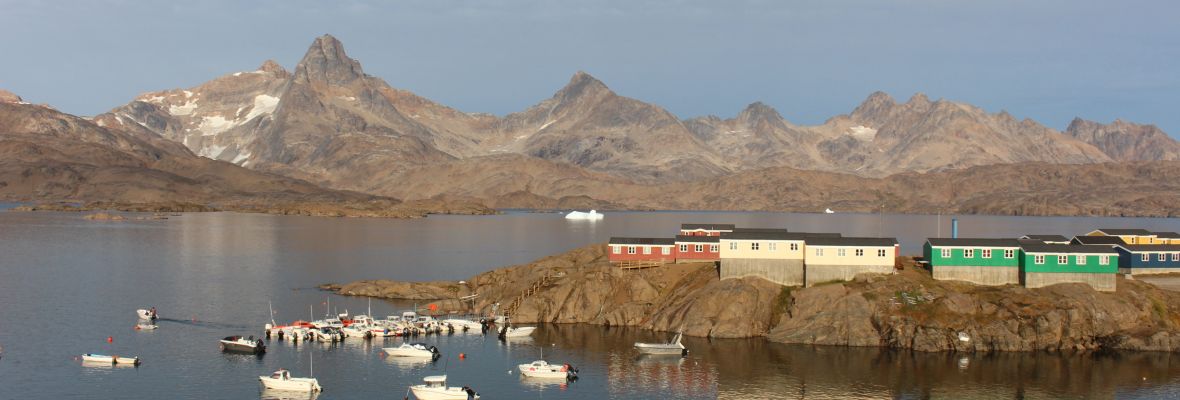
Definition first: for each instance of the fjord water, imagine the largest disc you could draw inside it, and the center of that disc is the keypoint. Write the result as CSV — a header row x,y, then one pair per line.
x,y
66,284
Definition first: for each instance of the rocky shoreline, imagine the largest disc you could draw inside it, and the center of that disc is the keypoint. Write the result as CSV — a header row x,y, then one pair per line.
x,y
907,310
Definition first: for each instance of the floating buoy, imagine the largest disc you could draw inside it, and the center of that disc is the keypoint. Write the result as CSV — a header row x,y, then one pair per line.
x,y
462,356
110,339
136,327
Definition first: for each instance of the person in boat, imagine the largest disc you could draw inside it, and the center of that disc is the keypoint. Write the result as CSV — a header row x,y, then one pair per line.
x,y
152,313
470,393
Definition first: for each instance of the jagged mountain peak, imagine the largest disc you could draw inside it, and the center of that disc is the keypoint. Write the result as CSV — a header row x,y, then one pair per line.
x,y
326,62
877,104
272,67
582,85
759,111
919,98
1126,141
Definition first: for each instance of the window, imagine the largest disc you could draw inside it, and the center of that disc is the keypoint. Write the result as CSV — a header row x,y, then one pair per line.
x,y
616,249
987,253
1079,260
968,253
713,248
1009,253
1062,260
733,245
630,249
1038,259
860,252
667,250
1162,257
646,249
1146,257
684,248
1104,260
700,248
880,252
819,252
753,245
841,252
772,246
1175,256
794,246
946,253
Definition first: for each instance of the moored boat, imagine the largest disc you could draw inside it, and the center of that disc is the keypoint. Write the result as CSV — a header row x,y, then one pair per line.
x,y
673,347
435,388
239,344
412,350
542,369
147,314
99,358
514,331
282,380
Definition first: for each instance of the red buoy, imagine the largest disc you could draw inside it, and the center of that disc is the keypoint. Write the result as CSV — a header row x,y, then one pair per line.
x,y
110,339
462,356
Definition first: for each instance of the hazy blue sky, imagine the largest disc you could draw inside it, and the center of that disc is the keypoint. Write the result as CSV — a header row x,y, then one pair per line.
x,y
1046,60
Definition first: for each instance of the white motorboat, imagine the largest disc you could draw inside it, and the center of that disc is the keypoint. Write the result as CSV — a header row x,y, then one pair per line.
x,y
671,348
327,335
103,359
147,314
593,215
239,344
435,388
412,350
282,380
515,331
462,324
544,370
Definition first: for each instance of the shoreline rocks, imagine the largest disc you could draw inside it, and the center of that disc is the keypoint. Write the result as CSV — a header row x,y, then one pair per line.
x,y
907,310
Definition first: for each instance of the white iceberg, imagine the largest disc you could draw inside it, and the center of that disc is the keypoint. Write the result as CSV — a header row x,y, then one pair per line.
x,y
592,215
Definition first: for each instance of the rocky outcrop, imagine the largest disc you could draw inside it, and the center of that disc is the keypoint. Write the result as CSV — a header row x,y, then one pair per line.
x,y
1126,141
904,310
9,97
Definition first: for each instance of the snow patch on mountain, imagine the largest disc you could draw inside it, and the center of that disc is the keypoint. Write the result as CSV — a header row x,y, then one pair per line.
x,y
216,124
861,132
263,104
185,109
212,151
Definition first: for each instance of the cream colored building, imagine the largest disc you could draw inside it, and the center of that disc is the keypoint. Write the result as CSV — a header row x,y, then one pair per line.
x,y
1130,236
776,255
842,258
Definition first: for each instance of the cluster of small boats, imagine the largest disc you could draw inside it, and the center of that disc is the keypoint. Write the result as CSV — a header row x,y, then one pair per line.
x,y
343,326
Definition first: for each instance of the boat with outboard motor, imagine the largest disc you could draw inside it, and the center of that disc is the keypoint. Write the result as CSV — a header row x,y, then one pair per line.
x,y
543,370
516,331
239,344
673,347
412,350
435,388
147,314
282,380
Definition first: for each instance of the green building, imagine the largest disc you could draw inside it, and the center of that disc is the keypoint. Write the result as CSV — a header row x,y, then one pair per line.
x,y
1048,264
979,261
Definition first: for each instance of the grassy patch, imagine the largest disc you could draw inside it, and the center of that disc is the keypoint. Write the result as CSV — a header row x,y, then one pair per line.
x,y
781,303
1160,309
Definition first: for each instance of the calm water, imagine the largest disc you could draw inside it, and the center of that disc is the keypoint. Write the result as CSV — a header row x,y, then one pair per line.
x,y
66,284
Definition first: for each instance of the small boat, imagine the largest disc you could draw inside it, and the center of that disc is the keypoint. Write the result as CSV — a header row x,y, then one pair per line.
x,y
412,350
238,344
147,314
462,324
435,388
671,348
829,211
593,215
512,331
145,326
327,335
99,358
282,380
542,369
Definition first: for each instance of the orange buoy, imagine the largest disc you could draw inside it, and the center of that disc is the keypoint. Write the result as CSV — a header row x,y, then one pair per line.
x,y
462,356
110,339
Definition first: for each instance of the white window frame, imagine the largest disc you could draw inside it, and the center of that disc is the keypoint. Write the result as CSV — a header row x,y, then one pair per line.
x,y
684,248
667,250
987,253
772,246
881,253
1175,256
1104,260
754,246
860,252
700,248
1062,259
968,253
1038,259
733,245
630,249
714,248
616,249
841,252
1162,257
1079,260
646,249
1009,253
1145,257
946,253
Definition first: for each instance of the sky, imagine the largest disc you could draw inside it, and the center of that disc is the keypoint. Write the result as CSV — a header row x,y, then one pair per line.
x,y
1049,60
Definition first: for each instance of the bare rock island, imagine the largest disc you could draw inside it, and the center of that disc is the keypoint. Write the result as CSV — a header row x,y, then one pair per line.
x,y
907,309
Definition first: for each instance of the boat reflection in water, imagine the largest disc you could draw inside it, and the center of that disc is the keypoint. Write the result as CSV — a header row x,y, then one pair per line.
x,y
271,394
672,376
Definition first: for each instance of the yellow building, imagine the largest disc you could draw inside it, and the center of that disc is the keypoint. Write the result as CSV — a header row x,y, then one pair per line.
x,y
842,258
1129,236
773,254
1167,237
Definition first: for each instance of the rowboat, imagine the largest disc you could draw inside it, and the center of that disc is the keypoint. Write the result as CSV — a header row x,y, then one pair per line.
x,y
99,358
671,348
435,388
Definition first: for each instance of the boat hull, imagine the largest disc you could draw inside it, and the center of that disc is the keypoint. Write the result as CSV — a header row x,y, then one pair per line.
x,y
305,385
661,350
519,332
101,359
235,347
450,393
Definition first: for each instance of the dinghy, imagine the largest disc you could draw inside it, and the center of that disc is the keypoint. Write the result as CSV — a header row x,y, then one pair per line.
x,y
542,369
103,359
671,348
412,350
435,388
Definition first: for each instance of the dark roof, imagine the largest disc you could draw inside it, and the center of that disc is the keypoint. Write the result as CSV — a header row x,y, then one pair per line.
x,y
759,230
973,242
1046,238
1066,248
1105,240
1125,232
773,235
708,227
851,241
1171,248
1167,235
646,241
698,239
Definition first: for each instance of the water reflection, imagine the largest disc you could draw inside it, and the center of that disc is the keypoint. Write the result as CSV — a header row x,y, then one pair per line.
x,y
271,394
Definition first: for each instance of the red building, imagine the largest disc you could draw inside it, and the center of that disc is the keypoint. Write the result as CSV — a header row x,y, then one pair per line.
x,y
638,251
694,248
704,229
